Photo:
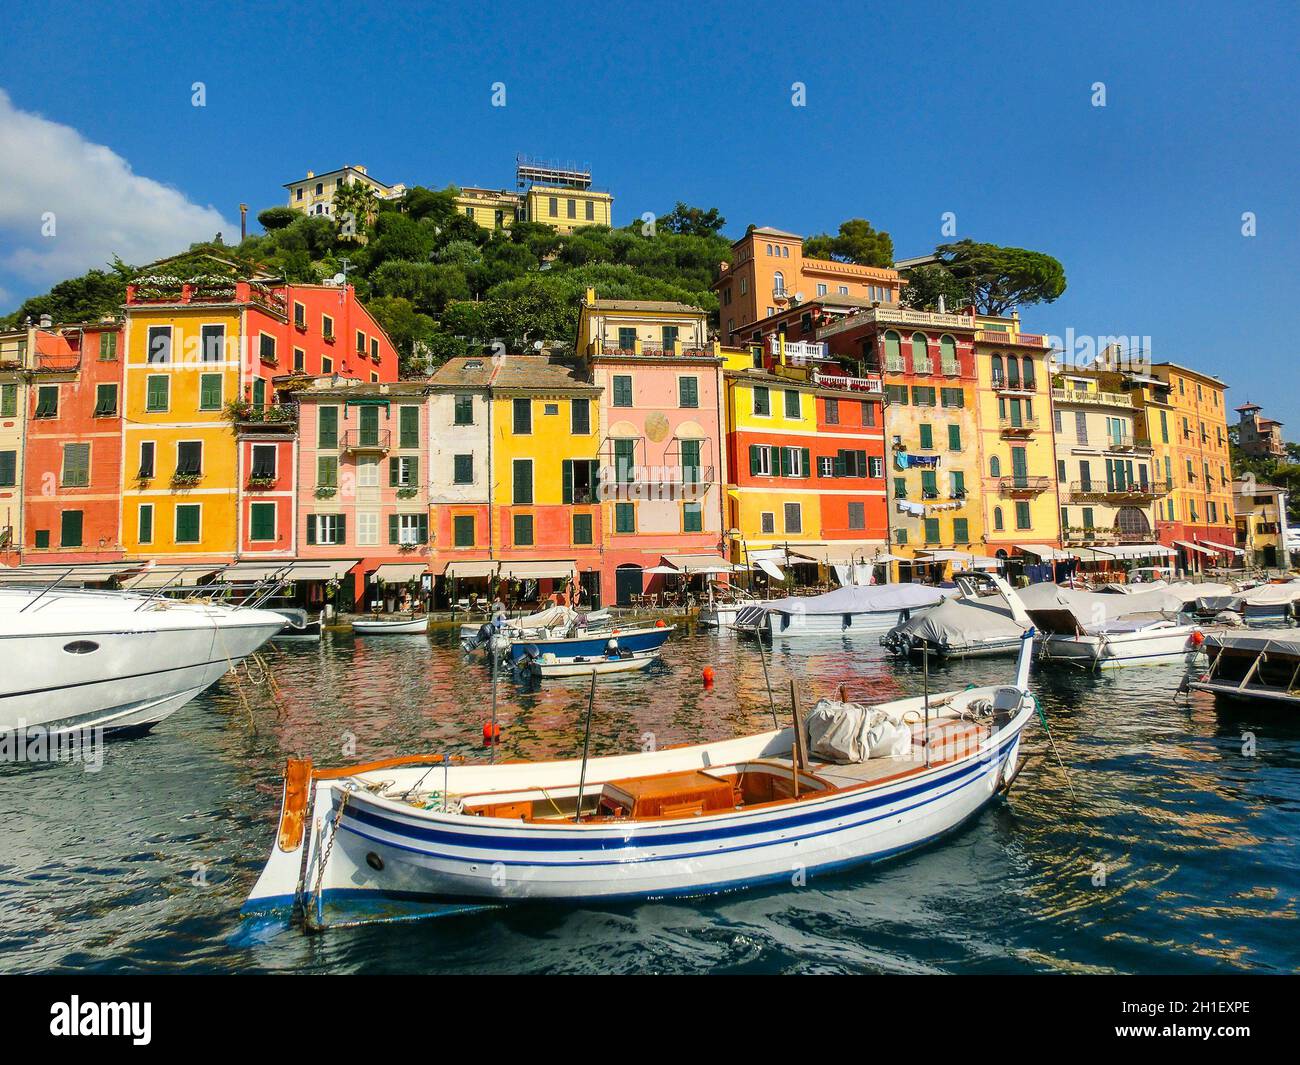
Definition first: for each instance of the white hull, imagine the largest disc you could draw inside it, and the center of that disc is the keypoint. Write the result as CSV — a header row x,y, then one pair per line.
x,y
368,843
1125,649
579,668
391,628
791,626
106,665
720,615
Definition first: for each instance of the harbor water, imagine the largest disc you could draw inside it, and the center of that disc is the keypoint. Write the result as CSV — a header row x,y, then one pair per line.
x,y
1166,845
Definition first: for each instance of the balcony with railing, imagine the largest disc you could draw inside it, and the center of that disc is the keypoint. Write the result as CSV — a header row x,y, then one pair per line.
x,y
1141,492
355,440
1096,399
1023,485
847,383
57,362
1018,387
1017,425
204,290
1125,442
797,352
1010,339
1084,536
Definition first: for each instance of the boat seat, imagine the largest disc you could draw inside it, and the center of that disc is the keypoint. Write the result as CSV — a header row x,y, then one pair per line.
x,y
1007,698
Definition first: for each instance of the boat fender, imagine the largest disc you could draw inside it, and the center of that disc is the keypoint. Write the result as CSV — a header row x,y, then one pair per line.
x,y
611,647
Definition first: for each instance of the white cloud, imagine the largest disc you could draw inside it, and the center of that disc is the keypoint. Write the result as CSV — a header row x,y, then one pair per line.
x,y
100,206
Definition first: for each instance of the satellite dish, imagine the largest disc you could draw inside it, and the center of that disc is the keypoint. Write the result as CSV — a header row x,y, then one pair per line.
x,y
537,345
339,279
798,297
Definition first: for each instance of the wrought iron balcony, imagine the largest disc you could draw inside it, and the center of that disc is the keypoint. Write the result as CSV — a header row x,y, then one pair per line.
x,y
1023,485
1140,492
367,440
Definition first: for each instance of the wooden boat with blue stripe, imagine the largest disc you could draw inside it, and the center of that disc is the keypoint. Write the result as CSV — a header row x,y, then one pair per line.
x,y
594,645
387,838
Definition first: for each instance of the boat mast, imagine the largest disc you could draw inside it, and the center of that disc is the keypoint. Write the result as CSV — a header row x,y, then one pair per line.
x,y
586,746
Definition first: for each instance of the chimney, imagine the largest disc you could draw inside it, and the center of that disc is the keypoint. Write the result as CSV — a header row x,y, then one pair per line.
x,y
311,173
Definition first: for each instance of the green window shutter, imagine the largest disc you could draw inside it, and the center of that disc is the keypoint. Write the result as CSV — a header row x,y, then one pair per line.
x,y
409,422
146,525
105,399
784,452
327,471
412,470
792,404
8,401
958,482
187,524
210,391
70,524
157,392
688,392
753,460
582,528
900,487
263,521
523,482
327,435
523,530
954,437
463,525
1022,515
259,392
392,472
931,530
692,518
959,533
625,517
929,483
8,469
392,529
927,437
862,463
566,481
807,460
593,478
422,528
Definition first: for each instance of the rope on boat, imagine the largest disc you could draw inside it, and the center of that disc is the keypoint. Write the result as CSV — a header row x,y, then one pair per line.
x,y
1052,740
314,913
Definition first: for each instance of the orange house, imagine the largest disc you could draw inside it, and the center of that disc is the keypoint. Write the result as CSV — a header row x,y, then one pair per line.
x,y
73,468
769,273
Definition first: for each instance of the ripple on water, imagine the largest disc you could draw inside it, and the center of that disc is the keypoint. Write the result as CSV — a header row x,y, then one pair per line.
x,y
1174,851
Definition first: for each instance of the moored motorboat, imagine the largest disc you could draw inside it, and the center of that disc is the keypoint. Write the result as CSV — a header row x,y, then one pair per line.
x,y
116,661
849,611
555,621
682,820
385,627
548,666
967,627
1262,664
597,645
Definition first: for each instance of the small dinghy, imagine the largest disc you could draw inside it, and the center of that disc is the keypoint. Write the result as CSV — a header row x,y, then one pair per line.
x,y
400,627
590,646
846,785
557,621
548,666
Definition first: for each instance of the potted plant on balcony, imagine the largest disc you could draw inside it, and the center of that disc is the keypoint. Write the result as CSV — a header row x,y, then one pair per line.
x,y
239,410
409,492
326,491
261,482
186,480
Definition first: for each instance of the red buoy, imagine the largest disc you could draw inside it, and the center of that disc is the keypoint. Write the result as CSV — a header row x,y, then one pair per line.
x,y
1198,638
659,624
708,676
491,734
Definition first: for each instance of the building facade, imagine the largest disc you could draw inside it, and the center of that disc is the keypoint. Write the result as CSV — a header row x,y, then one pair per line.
x,y
1263,532
1106,478
460,472
661,431
16,347
73,470
1259,437
1199,508
769,274
314,194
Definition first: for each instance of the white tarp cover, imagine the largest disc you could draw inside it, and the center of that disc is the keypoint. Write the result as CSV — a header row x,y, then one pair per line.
x,y
1096,608
850,732
399,572
1280,641
696,563
471,568
771,569
1272,594
864,599
963,623
1136,551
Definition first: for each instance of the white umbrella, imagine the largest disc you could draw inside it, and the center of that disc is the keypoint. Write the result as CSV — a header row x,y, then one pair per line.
x,y
665,570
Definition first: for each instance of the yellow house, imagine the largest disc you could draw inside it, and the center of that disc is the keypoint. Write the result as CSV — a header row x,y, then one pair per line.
x,y
1017,476
567,209
314,194
544,446
490,208
191,349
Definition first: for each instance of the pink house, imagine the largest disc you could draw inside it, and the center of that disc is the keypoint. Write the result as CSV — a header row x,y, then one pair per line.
x,y
661,433
362,492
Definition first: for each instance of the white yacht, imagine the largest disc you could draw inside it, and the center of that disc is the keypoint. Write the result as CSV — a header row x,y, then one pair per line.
x,y
121,662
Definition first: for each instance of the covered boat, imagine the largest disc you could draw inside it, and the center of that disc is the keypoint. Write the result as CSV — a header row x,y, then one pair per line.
x,y
872,608
967,627
411,836
1263,664
598,645
1098,630
554,621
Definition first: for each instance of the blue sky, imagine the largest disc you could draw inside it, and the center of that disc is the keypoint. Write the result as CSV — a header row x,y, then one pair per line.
x,y
985,111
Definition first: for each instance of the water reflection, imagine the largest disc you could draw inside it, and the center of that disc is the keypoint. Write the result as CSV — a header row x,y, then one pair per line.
x,y
1174,853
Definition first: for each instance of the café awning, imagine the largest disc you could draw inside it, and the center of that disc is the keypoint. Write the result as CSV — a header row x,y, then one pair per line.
x,y
1195,547
1047,554
1226,549
399,572
471,568
695,563
1135,551
527,571
71,575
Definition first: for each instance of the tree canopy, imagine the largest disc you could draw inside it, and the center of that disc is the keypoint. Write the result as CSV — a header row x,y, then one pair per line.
x,y
857,242
998,279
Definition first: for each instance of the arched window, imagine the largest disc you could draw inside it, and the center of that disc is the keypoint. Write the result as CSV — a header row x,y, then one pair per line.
x,y
995,467
1029,372
997,369
778,282
920,353
1013,372
1131,521
997,517
893,352
769,249
948,354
